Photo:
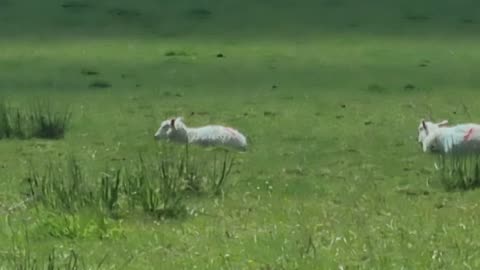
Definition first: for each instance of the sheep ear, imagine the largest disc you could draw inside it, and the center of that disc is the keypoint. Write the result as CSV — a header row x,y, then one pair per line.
x,y
443,123
172,123
425,126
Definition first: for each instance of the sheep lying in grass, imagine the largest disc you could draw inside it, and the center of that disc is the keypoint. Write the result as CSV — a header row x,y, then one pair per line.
x,y
438,137
175,130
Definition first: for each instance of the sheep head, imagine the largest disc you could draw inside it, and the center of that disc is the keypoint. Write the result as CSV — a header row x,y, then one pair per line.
x,y
172,129
427,132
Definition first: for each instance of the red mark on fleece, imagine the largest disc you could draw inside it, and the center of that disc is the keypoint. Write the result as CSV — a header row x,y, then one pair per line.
x,y
231,131
469,134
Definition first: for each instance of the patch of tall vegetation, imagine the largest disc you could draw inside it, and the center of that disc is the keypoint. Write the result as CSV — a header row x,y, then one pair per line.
x,y
158,185
40,120
460,171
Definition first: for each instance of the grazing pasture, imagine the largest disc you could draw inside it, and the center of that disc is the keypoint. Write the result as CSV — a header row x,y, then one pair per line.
x,y
329,94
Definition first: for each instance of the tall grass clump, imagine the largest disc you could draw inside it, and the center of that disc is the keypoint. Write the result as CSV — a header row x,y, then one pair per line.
x,y
219,176
206,175
460,171
61,186
157,185
153,185
40,120
47,123
13,123
193,173
110,188
68,204
5,128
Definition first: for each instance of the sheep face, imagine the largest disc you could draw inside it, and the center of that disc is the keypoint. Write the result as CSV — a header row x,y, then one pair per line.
x,y
163,131
426,129
172,129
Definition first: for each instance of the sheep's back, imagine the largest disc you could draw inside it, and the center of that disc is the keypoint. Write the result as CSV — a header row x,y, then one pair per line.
x,y
216,135
463,138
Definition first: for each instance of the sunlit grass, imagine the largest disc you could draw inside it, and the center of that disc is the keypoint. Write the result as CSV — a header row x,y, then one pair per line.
x,y
330,98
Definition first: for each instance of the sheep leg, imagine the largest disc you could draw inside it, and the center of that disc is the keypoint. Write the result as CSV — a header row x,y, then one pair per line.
x,y
427,142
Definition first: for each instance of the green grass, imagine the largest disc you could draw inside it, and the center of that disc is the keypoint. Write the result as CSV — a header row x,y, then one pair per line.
x,y
38,121
329,93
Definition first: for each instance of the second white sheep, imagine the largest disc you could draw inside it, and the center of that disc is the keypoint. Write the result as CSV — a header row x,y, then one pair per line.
x,y
439,137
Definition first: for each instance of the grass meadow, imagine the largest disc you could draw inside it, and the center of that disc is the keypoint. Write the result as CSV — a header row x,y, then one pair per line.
x,y
329,94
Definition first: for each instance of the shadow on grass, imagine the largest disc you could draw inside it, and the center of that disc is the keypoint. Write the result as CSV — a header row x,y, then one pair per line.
x,y
243,19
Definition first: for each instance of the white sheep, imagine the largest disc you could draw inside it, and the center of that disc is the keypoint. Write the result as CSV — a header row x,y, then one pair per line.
x,y
175,130
438,137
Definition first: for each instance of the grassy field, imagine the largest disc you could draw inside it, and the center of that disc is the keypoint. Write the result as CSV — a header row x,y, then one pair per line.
x,y
329,93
